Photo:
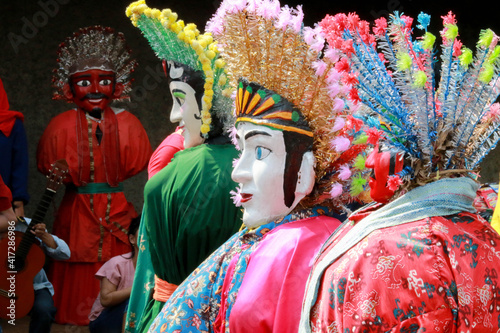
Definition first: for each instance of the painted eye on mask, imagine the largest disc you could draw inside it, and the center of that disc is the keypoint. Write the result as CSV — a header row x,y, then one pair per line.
x,y
83,83
105,82
179,97
261,152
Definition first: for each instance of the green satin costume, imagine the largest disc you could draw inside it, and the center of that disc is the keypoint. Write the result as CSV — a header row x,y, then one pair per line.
x,y
188,213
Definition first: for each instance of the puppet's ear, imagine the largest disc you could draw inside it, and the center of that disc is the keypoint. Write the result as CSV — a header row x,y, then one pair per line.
x,y
119,87
307,176
67,92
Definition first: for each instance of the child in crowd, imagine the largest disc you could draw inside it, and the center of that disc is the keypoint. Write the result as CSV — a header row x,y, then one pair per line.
x,y
116,277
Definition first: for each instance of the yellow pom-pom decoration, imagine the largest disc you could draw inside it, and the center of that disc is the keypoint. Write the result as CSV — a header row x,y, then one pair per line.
x,y
171,16
206,117
207,100
222,80
165,23
451,31
420,79
219,63
486,37
487,73
209,93
466,57
135,10
175,27
182,36
494,55
156,13
196,47
203,42
213,46
428,41
210,54
404,61
191,26
190,35
227,92
205,63
209,37
166,12
205,129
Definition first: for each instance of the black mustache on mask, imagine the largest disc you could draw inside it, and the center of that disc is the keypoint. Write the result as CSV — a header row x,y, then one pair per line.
x,y
94,96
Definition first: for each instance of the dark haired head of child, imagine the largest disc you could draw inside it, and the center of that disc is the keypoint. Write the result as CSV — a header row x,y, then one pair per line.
x,y
132,233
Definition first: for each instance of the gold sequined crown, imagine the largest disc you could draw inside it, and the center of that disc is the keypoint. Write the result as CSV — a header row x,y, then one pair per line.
x,y
267,46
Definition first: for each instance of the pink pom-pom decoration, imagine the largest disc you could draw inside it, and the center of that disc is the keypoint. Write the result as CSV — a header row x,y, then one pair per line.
x,y
236,196
320,67
340,144
333,89
408,22
338,104
344,172
336,190
339,124
332,55
309,35
333,77
284,18
269,9
318,44
235,6
252,6
232,136
296,21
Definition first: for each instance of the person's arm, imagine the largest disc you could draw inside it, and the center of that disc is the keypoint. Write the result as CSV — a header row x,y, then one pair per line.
x,y
110,296
55,247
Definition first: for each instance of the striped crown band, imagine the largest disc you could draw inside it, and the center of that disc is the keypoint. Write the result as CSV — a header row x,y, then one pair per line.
x,y
258,105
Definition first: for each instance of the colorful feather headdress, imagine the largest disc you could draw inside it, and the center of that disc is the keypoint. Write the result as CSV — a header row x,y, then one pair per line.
x,y
173,40
442,116
267,46
93,47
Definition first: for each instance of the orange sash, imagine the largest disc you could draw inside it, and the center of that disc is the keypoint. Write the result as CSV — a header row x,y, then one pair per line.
x,y
163,289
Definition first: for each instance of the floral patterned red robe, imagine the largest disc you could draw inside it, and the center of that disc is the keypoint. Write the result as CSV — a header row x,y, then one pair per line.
x,y
437,274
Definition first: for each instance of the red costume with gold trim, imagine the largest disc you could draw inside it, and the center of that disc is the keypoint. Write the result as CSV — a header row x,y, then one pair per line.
x,y
94,214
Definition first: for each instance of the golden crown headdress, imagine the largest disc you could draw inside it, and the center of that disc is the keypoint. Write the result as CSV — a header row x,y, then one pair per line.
x,y
286,80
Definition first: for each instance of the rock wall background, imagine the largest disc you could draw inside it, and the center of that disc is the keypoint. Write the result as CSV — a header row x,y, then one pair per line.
x,y
32,30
